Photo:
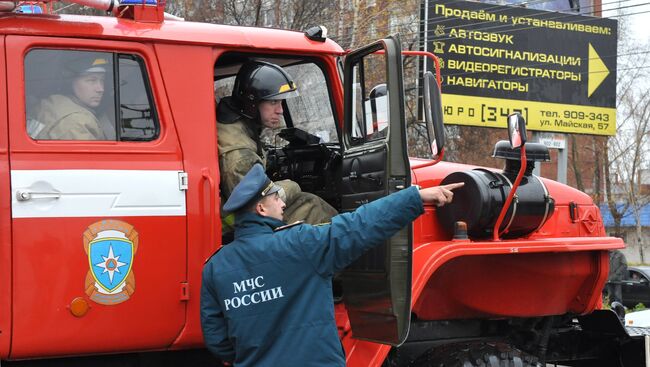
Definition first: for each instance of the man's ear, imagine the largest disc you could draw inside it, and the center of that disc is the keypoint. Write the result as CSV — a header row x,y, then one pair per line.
x,y
260,209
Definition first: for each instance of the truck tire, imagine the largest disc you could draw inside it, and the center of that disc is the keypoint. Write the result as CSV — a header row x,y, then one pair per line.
x,y
492,354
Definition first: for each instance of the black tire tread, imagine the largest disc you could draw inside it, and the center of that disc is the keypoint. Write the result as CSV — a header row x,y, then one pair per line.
x,y
483,354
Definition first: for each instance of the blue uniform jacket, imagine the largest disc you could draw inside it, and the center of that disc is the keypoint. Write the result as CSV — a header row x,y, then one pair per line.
x,y
266,298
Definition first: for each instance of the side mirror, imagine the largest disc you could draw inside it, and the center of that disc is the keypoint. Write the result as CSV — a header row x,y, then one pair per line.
x,y
517,134
433,113
516,130
377,110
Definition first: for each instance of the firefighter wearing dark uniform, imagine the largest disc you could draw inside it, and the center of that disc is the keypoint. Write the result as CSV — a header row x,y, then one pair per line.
x,y
266,298
239,126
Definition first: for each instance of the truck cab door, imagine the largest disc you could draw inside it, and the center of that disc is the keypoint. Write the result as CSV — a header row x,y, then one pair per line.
x,y
377,287
99,226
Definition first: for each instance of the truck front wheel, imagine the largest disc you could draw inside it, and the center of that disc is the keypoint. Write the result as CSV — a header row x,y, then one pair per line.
x,y
491,354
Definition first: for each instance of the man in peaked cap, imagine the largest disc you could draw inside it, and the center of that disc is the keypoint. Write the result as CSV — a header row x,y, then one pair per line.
x,y
73,115
256,103
266,298
254,192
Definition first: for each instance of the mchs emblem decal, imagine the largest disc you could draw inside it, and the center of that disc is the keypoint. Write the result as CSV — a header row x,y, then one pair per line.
x,y
111,246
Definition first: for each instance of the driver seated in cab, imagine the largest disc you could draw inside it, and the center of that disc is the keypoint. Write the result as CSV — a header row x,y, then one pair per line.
x,y
74,114
256,103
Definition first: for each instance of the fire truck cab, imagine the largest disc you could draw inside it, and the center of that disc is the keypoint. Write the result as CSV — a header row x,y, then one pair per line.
x,y
104,229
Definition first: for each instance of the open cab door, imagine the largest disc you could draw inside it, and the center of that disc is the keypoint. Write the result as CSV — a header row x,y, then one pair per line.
x,y
377,287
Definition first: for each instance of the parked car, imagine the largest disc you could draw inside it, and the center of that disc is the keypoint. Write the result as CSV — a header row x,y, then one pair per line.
x,y
636,288
638,319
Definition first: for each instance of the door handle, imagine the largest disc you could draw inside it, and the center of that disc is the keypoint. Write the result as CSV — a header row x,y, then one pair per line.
x,y
25,195
365,176
205,175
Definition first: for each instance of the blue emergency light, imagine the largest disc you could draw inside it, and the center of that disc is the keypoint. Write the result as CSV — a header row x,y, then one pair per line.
x,y
138,2
29,9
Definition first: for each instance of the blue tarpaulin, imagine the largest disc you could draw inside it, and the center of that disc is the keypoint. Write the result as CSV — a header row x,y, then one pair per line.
x,y
628,219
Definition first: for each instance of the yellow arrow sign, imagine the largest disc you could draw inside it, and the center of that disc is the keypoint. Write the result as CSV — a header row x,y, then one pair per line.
x,y
597,71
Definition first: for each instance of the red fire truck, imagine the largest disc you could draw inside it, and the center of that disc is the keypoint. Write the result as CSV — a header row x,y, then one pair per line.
x,y
103,238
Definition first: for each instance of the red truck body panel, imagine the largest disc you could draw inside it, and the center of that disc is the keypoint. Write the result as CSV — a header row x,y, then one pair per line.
x,y
186,33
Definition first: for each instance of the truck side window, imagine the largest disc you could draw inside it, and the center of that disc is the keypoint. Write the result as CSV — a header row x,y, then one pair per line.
x,y
137,112
71,95
312,110
370,96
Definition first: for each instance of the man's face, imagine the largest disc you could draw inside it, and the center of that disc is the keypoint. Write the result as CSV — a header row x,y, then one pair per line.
x,y
89,88
271,113
271,206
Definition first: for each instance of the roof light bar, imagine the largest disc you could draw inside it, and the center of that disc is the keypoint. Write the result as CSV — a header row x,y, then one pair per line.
x,y
29,9
139,2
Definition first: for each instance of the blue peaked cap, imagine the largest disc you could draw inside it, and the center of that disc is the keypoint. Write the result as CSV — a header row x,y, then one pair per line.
x,y
255,185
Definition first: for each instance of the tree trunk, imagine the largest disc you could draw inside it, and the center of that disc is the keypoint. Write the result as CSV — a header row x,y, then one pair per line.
x,y
597,194
611,202
355,23
258,12
575,162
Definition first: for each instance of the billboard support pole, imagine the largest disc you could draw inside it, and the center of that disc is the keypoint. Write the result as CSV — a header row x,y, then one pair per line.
x,y
537,171
562,161
562,156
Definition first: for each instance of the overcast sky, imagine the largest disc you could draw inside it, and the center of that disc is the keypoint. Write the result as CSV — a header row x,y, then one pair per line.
x,y
640,23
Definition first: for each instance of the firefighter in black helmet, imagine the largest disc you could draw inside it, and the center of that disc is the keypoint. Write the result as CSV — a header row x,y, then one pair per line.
x,y
259,81
256,102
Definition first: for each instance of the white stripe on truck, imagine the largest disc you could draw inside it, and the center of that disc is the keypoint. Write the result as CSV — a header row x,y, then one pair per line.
x,y
95,193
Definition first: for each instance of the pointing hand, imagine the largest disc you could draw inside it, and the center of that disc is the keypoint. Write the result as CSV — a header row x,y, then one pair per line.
x,y
440,195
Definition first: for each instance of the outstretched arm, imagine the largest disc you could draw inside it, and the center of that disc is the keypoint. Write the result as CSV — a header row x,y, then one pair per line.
x,y
351,234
